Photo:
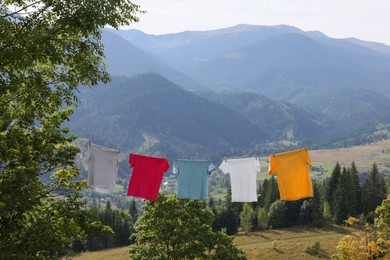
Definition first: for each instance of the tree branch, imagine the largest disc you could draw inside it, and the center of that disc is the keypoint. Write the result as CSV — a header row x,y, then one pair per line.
x,y
23,8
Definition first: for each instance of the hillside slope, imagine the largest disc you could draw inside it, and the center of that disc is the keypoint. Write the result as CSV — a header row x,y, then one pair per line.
x,y
125,59
344,83
150,114
279,120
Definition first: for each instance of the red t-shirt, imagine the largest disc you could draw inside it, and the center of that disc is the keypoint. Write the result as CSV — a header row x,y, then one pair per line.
x,y
147,175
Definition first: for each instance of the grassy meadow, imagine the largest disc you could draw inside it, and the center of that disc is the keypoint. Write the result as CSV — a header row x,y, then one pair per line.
x,y
363,155
290,244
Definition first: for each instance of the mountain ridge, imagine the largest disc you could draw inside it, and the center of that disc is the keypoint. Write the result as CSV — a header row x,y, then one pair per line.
x,y
340,86
131,112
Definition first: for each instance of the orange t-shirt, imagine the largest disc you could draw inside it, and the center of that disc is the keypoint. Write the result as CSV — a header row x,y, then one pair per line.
x,y
293,172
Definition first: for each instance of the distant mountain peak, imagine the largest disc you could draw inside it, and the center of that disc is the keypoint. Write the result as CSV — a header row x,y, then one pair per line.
x,y
239,28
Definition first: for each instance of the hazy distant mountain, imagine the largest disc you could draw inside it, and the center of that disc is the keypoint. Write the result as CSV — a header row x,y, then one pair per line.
x,y
152,115
187,50
343,81
379,47
270,59
272,82
125,59
279,119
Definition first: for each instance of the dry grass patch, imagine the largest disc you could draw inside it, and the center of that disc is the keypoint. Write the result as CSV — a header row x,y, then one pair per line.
x,y
114,253
290,243
363,155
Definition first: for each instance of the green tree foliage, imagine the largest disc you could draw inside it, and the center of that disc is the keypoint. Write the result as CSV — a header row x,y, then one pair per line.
x,y
121,223
262,219
355,199
311,209
317,206
332,185
374,190
277,215
48,49
269,192
293,209
246,218
306,213
382,221
170,228
228,215
133,209
340,198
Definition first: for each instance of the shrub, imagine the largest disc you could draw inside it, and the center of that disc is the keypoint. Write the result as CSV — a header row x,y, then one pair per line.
x,y
313,249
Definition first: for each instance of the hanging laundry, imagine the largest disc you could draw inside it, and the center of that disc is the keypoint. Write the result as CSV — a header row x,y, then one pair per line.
x,y
103,164
243,173
192,180
293,172
147,176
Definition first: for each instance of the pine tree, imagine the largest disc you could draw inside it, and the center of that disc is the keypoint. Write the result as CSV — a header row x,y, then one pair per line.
x,y
133,209
355,199
211,205
311,209
262,218
340,198
228,216
293,209
373,191
277,214
271,192
260,198
331,186
306,213
263,188
317,207
246,218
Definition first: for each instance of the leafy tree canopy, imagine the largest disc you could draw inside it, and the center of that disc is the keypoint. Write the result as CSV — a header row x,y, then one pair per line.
x,y
382,221
48,49
170,228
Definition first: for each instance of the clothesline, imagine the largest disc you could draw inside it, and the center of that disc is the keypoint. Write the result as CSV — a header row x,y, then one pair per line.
x,y
291,167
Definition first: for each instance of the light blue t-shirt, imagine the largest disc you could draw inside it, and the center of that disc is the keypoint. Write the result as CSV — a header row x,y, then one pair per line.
x,y
193,178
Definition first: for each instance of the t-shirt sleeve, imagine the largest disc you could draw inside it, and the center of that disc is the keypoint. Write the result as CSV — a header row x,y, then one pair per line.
x,y
272,165
132,160
121,157
175,168
211,168
165,165
257,165
308,158
224,167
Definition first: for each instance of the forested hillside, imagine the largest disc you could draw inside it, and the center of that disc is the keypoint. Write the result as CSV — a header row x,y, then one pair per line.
x,y
280,120
152,115
343,84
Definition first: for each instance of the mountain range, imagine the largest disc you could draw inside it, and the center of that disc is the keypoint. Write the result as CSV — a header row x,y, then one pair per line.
x,y
148,113
233,89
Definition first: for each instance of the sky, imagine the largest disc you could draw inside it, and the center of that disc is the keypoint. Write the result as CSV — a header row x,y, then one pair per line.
x,y
364,19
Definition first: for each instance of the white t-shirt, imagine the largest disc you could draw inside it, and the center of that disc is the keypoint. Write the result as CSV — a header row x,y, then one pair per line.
x,y
243,174
103,164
